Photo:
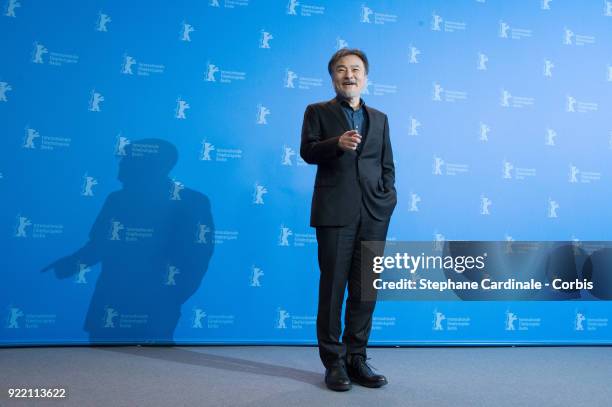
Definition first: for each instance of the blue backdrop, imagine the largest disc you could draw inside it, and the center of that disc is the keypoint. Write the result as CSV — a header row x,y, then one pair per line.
x,y
497,116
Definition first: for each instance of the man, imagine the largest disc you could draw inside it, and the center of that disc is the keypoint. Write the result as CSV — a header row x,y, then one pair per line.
x,y
354,197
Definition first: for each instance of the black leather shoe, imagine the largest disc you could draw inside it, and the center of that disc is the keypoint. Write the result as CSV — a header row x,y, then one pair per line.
x,y
336,378
360,373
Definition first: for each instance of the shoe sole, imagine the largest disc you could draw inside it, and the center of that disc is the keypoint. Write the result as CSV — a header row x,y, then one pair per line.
x,y
339,388
370,385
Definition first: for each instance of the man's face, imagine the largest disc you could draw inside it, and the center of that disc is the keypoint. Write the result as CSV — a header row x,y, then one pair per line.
x,y
349,76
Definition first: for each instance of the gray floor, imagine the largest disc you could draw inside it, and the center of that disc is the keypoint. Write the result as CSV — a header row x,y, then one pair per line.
x,y
292,376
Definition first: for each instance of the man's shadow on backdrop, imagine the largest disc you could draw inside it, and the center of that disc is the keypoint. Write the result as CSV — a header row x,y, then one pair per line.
x,y
153,239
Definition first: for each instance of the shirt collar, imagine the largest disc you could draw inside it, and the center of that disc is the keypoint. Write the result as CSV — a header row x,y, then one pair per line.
x,y
344,103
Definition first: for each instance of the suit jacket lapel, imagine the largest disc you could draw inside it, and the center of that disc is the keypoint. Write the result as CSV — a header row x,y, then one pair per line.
x,y
341,117
371,123
337,110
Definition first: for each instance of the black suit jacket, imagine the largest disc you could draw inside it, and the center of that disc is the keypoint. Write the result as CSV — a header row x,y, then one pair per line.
x,y
345,178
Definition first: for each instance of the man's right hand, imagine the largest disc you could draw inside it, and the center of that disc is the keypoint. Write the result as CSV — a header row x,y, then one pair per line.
x,y
349,140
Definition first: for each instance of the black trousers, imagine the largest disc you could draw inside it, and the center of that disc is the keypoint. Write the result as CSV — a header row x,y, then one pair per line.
x,y
340,255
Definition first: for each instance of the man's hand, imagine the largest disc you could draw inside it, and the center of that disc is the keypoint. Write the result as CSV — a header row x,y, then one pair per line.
x,y
349,140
